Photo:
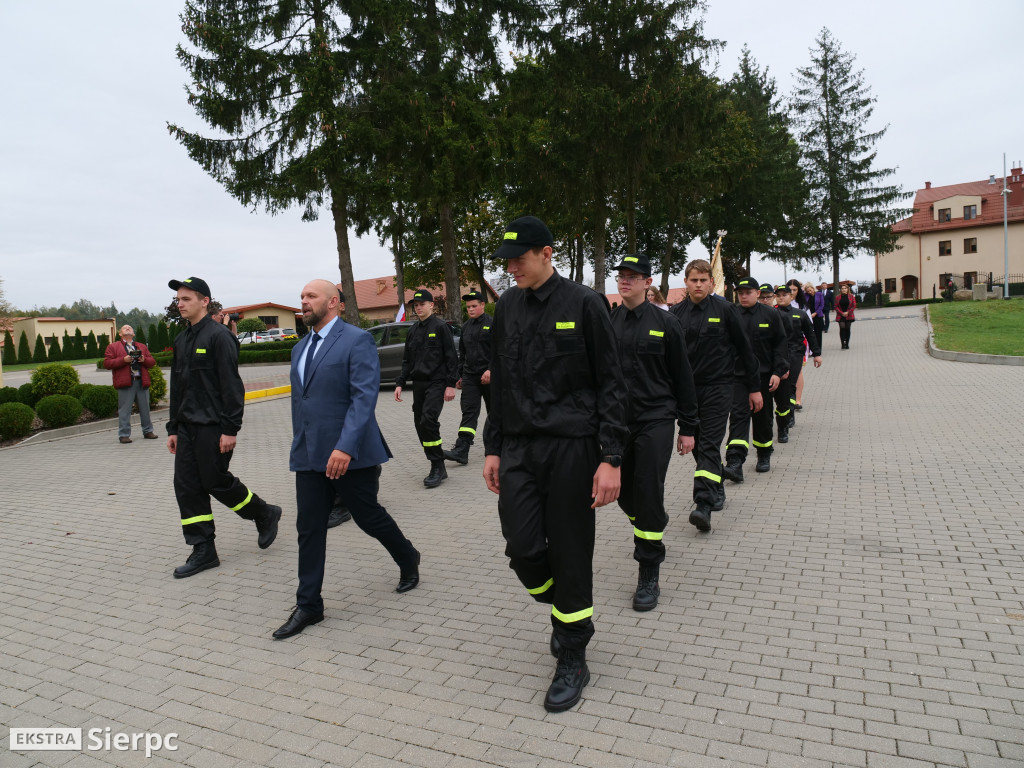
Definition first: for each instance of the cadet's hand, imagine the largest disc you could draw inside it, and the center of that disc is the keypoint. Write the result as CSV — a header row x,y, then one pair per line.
x,y
458,384
227,443
485,377
817,362
491,466
607,482
773,383
684,444
756,401
172,443
449,394
337,465
398,394
785,375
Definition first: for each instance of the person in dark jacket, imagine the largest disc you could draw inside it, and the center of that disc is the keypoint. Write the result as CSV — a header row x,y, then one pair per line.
x,y
474,373
553,440
845,305
207,399
799,330
431,363
129,362
659,394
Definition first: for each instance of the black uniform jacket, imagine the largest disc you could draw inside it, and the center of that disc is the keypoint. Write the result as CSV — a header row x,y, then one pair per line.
x,y
652,355
475,346
799,327
767,333
554,367
716,344
205,385
430,353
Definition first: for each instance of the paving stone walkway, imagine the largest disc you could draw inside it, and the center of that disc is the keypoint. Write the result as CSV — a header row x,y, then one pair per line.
x,y
861,605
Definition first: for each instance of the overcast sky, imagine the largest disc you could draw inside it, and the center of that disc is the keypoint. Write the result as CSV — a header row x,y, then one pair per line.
x,y
98,202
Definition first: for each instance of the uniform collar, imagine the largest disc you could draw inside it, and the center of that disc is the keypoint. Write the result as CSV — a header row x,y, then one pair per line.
x,y
545,291
640,309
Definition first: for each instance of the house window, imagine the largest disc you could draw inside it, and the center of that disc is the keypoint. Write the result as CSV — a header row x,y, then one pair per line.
x,y
269,320
945,214
945,247
890,285
970,211
970,245
944,280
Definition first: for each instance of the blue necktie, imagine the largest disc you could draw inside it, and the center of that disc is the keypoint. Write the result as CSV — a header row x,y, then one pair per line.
x,y
309,358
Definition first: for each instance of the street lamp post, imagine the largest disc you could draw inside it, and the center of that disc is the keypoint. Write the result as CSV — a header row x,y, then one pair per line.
x,y
1006,236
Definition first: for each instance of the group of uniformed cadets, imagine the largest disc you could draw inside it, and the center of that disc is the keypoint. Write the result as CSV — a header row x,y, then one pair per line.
x,y
585,408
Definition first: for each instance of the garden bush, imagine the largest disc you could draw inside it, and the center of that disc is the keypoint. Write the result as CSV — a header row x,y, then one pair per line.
x,y
157,386
15,420
58,410
100,400
79,390
27,394
54,379
8,395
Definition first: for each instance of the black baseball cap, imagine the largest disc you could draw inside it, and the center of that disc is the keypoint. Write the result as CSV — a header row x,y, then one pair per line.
x,y
638,262
782,289
748,282
474,296
422,295
522,235
196,284
767,288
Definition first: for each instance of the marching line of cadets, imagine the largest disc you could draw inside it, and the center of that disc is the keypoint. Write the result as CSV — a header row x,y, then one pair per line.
x,y
585,406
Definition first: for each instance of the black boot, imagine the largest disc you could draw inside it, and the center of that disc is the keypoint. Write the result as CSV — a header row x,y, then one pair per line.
x,y
437,474
266,524
784,435
733,471
647,590
571,675
460,453
719,502
764,462
701,518
203,556
792,418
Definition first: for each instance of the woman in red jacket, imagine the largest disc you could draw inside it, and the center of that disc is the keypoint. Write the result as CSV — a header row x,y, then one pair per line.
x,y
846,302
130,361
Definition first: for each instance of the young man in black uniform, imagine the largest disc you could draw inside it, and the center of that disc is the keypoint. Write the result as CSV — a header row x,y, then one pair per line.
x,y
474,373
659,389
767,335
798,327
431,364
716,347
207,398
553,440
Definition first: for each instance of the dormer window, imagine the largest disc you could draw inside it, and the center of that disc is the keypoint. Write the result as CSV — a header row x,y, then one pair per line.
x,y
970,212
945,214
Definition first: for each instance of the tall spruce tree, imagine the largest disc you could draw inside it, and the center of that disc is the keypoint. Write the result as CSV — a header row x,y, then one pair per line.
x,y
10,353
79,342
91,348
54,354
24,351
39,354
852,208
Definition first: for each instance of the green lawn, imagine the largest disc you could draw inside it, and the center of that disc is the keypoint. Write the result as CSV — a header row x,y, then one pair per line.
x,y
994,327
33,366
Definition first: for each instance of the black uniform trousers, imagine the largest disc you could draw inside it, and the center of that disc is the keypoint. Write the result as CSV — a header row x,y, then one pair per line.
x,y
314,496
739,424
201,471
427,401
642,497
714,401
548,525
472,393
785,395
762,420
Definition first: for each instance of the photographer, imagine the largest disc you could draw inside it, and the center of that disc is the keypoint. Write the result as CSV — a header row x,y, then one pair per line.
x,y
129,362
227,319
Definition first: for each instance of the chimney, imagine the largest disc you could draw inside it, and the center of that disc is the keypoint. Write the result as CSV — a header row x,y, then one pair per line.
x,y
927,185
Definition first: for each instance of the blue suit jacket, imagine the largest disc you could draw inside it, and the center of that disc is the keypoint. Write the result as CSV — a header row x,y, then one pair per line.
x,y
334,409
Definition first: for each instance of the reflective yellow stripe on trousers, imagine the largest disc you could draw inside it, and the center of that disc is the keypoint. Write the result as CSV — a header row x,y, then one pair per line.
x,y
649,535
196,519
246,501
569,618
704,473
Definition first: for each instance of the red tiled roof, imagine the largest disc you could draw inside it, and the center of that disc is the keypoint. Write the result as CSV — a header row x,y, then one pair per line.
x,y
380,292
248,307
675,295
990,212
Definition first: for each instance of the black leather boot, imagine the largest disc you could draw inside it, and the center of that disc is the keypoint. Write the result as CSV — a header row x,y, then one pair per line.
x,y
784,435
764,462
733,471
460,452
203,556
647,590
437,474
719,498
266,524
700,518
571,675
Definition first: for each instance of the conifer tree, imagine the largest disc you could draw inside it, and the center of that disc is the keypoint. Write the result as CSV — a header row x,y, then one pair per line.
x,y
91,348
54,354
10,353
141,336
24,351
39,355
79,344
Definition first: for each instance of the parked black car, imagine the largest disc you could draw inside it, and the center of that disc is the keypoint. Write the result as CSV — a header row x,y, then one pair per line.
x,y
390,341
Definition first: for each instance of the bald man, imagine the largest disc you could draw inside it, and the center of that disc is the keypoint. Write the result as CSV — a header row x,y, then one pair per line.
x,y
337,448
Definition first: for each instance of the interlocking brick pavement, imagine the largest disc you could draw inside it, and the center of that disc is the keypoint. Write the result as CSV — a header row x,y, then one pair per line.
x,y
861,605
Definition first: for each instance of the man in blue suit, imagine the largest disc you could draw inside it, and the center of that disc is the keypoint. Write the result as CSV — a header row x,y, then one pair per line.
x,y
337,447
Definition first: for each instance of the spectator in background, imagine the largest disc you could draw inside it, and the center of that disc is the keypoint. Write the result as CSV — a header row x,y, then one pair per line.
x,y
846,303
821,308
129,361
830,301
654,296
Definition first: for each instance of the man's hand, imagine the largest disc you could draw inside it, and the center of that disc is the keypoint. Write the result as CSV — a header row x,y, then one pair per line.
x,y
398,394
485,377
227,443
449,394
607,482
172,443
756,402
773,383
817,362
684,444
458,384
785,375
337,465
491,466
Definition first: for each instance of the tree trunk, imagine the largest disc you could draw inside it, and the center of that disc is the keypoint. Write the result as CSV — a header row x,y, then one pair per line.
x,y
578,245
600,229
631,216
666,260
396,249
348,284
453,305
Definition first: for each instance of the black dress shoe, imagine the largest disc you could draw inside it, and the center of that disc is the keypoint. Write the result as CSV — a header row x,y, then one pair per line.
x,y
764,464
298,621
571,675
409,579
338,516
701,519
203,556
267,526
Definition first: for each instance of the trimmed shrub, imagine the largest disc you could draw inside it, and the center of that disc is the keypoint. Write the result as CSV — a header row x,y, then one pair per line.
x,y
140,335
162,340
10,351
102,342
79,389
101,400
24,352
39,353
157,386
15,420
251,324
68,346
79,342
54,379
8,395
58,410
27,394
55,355
91,348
